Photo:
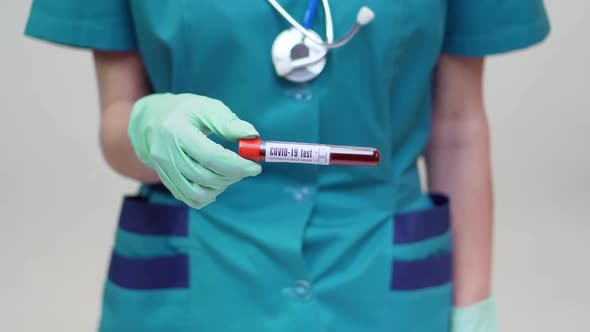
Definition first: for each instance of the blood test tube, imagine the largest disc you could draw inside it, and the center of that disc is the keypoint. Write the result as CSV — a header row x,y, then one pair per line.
x,y
304,153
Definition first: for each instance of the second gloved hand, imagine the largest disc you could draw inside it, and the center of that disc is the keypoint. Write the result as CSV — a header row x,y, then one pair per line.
x,y
169,133
479,317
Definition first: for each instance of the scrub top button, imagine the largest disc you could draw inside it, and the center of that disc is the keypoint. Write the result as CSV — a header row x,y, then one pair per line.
x,y
301,93
301,289
299,194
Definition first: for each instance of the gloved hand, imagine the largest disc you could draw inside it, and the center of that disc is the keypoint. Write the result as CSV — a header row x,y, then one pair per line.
x,y
480,317
169,134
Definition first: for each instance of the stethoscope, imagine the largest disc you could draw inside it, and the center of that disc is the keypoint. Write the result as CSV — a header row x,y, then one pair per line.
x,y
299,53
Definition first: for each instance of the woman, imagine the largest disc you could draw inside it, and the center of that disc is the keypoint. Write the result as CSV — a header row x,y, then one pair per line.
x,y
215,242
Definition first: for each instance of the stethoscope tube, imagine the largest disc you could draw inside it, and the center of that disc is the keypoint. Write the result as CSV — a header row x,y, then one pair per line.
x,y
312,7
303,30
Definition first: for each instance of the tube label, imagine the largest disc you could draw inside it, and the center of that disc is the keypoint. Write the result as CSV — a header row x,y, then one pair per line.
x,y
297,153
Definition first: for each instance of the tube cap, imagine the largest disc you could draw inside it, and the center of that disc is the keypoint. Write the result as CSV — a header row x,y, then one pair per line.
x,y
250,149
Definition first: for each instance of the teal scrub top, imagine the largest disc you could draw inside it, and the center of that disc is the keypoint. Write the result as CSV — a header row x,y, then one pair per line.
x,y
299,247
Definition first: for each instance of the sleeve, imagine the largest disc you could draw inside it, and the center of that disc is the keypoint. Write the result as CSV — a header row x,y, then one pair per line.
x,y
486,27
99,24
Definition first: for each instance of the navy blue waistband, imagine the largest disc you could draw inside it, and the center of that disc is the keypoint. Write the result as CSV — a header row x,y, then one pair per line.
x,y
160,188
149,273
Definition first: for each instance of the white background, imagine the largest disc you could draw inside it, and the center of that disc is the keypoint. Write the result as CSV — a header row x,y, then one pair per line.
x,y
59,201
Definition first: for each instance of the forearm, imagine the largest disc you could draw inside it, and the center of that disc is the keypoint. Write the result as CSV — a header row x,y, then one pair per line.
x,y
121,80
458,162
116,145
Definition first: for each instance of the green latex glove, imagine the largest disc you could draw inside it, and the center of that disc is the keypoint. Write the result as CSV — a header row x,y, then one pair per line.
x,y
169,134
480,317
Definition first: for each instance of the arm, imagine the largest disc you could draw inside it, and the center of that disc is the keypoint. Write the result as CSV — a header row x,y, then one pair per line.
x,y
458,163
169,132
121,81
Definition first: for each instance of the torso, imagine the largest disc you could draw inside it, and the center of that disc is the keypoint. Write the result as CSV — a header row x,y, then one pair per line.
x,y
332,226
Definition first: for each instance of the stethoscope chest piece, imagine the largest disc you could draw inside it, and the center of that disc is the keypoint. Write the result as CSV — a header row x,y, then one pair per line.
x,y
297,58
299,53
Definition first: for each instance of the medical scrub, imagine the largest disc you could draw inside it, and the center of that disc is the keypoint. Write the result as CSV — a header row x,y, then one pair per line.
x,y
299,247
